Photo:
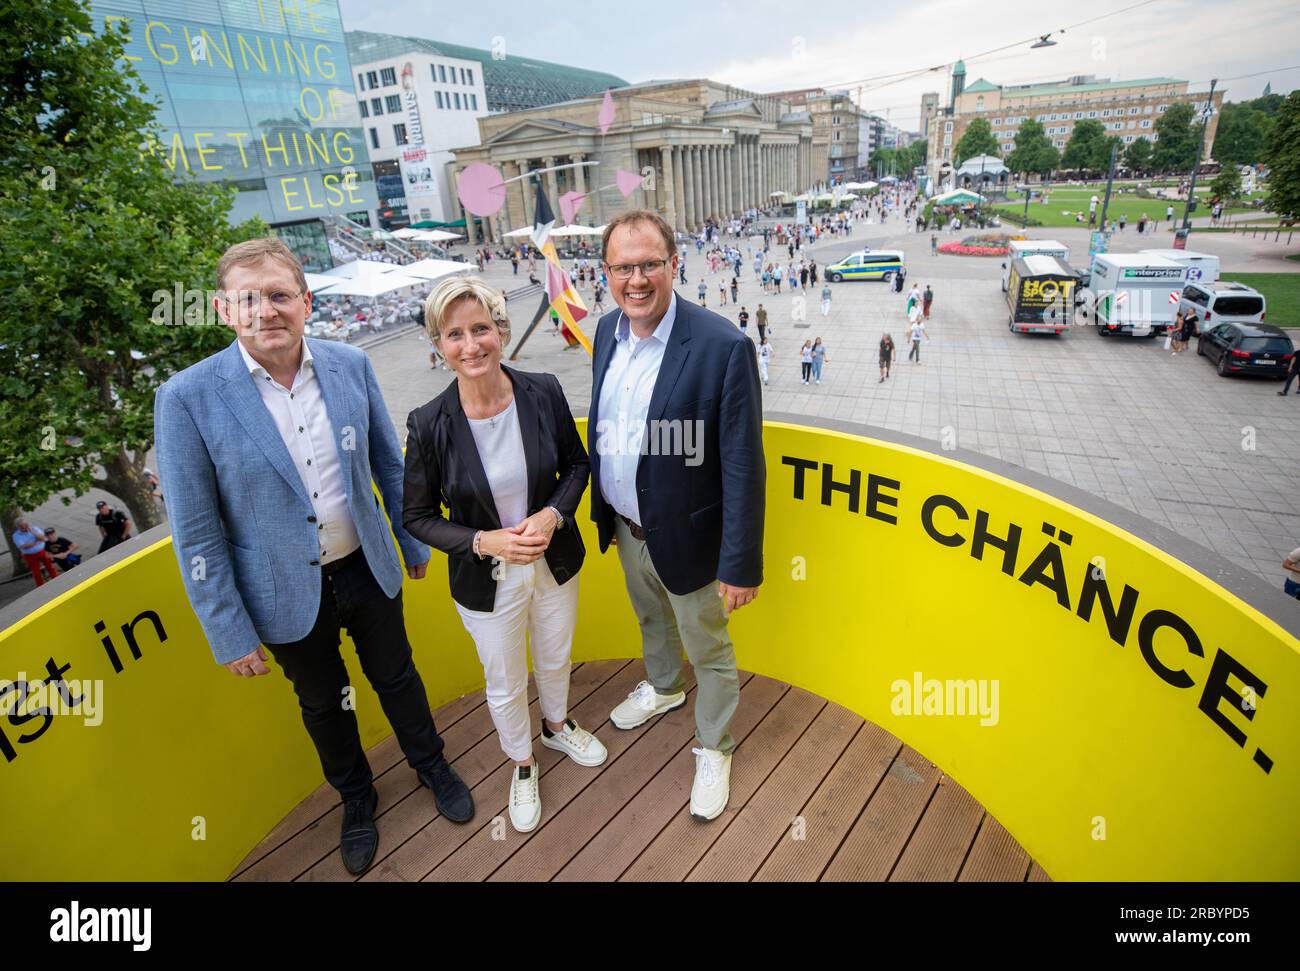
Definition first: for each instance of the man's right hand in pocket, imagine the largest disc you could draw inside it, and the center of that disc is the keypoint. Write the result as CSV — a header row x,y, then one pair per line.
x,y
250,665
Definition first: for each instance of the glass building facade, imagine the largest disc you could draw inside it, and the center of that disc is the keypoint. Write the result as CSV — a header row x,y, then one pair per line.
x,y
257,93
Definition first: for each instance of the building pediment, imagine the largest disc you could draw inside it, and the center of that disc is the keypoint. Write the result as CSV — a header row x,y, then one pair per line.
x,y
537,128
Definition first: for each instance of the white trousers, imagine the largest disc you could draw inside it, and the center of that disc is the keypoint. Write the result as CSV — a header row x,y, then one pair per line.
x,y
826,308
528,600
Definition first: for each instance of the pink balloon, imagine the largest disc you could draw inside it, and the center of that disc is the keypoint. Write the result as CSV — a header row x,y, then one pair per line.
x,y
628,182
570,203
481,189
606,116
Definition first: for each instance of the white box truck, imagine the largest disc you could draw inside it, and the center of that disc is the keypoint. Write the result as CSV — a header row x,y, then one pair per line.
x,y
1133,293
1020,248
1201,267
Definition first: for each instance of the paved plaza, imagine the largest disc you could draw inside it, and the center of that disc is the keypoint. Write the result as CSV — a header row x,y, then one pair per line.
x,y
1213,459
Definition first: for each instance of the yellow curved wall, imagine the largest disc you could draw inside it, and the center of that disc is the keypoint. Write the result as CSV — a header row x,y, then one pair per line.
x,y
1098,766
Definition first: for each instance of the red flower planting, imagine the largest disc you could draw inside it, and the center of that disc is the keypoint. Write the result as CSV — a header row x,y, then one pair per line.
x,y
962,249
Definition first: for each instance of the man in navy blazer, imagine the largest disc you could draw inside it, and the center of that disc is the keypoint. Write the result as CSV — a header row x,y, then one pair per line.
x,y
675,435
268,453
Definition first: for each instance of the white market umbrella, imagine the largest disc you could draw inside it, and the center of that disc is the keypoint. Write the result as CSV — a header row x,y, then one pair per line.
x,y
360,268
434,269
318,282
574,229
407,232
374,286
435,236
520,233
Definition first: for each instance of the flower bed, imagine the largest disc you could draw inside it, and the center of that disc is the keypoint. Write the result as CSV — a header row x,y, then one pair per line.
x,y
986,244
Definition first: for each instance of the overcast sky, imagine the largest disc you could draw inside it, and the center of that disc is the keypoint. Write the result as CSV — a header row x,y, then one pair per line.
x,y
766,46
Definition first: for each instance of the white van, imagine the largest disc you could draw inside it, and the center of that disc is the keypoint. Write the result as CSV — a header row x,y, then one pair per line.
x,y
1020,248
1201,267
1134,293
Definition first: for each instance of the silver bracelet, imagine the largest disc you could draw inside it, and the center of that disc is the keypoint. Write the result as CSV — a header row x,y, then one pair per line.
x,y
559,519
478,536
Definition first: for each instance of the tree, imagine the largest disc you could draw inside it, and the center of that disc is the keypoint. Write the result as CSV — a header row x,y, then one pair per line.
x,y
1175,149
978,140
1283,158
1242,134
1227,185
1138,155
95,231
1034,151
1088,149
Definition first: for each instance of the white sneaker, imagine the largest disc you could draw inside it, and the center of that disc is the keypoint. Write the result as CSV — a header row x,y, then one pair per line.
x,y
643,704
712,783
575,742
525,800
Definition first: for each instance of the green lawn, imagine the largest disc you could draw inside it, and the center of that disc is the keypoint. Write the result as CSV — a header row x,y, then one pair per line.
x,y
1066,201
1281,292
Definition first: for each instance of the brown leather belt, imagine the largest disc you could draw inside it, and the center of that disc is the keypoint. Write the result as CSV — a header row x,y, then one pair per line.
x,y
636,531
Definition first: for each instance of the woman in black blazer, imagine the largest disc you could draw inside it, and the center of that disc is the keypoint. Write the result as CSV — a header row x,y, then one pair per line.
x,y
500,450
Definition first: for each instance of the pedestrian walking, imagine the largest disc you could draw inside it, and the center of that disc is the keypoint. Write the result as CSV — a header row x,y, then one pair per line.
x,y
1292,373
886,355
934,244
760,318
916,331
1169,215
722,293
806,360
743,318
703,291
114,525
1142,224
826,300
735,286
818,359
1122,220
764,357
927,298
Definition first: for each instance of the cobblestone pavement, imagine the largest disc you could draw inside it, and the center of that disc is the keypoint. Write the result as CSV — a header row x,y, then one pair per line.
x,y
1212,458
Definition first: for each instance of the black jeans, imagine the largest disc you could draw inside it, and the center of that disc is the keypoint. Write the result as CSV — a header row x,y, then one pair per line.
x,y
1289,378
351,599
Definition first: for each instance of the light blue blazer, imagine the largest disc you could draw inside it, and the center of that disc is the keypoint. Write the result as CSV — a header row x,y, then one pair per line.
x,y
238,509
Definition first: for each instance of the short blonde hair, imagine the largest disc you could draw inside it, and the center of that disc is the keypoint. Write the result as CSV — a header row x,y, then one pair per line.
x,y
254,251
455,289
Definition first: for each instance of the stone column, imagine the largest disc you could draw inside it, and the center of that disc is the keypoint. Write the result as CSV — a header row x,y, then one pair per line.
x,y
706,187
728,163
665,184
551,189
678,191
688,186
530,200
713,181
697,173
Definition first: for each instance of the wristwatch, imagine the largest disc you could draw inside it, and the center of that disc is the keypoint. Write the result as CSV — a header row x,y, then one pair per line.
x,y
559,520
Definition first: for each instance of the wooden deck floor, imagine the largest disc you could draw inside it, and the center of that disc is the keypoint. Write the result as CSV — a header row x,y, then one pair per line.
x,y
817,793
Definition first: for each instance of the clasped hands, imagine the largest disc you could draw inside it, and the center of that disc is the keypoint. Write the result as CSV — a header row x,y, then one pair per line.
x,y
521,544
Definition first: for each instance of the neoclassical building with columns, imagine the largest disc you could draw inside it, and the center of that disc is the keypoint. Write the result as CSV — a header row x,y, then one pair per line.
x,y
708,151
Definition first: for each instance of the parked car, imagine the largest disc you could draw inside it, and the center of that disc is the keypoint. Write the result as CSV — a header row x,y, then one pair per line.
x,y
1238,347
1223,301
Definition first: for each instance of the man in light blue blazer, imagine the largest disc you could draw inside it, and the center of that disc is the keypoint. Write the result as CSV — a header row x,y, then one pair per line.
x,y
268,452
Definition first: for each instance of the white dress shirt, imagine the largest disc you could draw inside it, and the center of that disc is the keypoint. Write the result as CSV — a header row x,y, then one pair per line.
x,y
304,426
624,403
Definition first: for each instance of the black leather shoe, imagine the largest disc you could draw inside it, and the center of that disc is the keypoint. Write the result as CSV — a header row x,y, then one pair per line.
x,y
360,836
450,794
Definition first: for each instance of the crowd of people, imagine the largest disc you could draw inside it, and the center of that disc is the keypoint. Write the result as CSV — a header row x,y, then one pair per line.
x,y
47,554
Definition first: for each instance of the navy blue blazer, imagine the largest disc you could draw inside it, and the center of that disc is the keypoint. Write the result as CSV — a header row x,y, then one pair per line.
x,y
702,522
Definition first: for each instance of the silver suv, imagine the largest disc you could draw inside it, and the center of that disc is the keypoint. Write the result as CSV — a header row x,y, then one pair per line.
x,y
1220,301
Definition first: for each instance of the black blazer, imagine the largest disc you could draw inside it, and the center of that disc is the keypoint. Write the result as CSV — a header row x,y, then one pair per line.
x,y
443,468
703,522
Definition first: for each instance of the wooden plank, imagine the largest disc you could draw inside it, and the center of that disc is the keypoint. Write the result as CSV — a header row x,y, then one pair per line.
x,y
834,807
738,853
942,838
382,757
415,811
1037,874
667,745
634,827
995,857
886,823
440,838
685,840
562,780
